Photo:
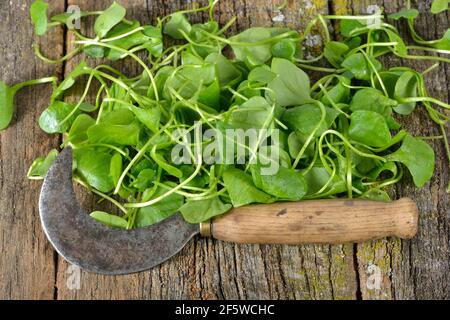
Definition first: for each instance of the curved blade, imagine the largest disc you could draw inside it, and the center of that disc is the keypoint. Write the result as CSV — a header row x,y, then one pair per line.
x,y
95,247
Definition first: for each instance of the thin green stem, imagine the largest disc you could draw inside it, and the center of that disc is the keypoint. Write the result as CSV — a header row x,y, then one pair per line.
x,y
21,85
101,194
68,56
132,55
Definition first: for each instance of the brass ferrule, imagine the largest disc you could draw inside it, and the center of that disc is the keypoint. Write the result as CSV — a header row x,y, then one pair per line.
x,y
205,228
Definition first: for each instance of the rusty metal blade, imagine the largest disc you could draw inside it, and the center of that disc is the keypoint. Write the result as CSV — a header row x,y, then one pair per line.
x,y
95,247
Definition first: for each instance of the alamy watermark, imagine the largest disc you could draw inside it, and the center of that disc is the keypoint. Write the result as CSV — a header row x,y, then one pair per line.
x,y
374,277
73,20
375,22
73,281
228,146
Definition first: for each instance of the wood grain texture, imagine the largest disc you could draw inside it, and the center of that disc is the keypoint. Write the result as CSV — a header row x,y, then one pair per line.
x,y
210,269
334,221
27,259
418,268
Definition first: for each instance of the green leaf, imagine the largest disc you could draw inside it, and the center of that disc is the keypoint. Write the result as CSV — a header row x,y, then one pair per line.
x,y
272,154
256,54
444,42
155,40
286,184
150,117
284,49
110,220
6,105
141,165
186,80
405,13
372,100
119,93
41,165
94,166
210,95
387,166
87,107
51,120
152,32
115,134
132,40
291,86
261,74
78,131
389,79
376,195
161,210
370,128
109,19
252,114
203,44
246,90
69,80
418,157
296,140
144,179
358,65
318,177
122,116
160,161
307,117
241,189
405,87
68,17
38,12
203,210
94,51
348,25
188,58
115,167
226,73
177,22
334,52
400,47
439,5
339,93
200,181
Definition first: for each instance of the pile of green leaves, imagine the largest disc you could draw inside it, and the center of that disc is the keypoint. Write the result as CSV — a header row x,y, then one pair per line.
x,y
339,136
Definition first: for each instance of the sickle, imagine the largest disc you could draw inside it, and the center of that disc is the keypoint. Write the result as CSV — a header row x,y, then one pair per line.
x,y
95,247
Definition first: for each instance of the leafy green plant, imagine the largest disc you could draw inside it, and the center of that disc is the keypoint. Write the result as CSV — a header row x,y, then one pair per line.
x,y
108,19
41,165
38,12
7,95
338,136
411,14
439,6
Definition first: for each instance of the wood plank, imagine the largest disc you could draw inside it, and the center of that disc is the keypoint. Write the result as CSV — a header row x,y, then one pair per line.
x,y
209,269
419,268
27,263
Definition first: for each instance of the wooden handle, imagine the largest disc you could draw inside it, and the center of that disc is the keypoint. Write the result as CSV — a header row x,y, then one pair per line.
x,y
318,221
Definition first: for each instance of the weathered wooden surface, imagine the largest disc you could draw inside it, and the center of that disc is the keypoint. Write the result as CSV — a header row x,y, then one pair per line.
x,y
208,269
27,260
416,269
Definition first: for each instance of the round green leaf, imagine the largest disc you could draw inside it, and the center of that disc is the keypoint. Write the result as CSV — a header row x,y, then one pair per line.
x,y
6,105
38,12
370,128
406,87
